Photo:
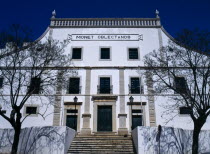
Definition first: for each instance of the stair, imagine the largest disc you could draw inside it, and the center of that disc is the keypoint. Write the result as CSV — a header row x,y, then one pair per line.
x,y
101,144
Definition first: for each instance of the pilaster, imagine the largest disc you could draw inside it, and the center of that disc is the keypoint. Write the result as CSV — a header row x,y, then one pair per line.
x,y
86,116
152,116
122,115
57,105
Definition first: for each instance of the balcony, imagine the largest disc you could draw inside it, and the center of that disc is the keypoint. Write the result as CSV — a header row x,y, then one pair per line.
x,y
105,89
136,89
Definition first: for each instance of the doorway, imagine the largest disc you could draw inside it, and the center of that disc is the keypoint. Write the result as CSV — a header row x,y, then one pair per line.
x,y
104,122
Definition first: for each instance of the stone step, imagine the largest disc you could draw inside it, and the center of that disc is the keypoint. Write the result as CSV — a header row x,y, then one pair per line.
x,y
105,135
102,139
99,150
102,144
93,136
102,148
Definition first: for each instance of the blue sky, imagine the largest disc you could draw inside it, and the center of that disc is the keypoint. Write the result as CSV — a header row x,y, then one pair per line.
x,y
175,14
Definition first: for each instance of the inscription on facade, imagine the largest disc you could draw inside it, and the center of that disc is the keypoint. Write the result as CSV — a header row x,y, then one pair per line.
x,y
105,37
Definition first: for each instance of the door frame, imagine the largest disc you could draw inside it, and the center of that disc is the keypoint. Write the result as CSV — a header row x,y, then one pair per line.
x,y
95,115
78,107
137,107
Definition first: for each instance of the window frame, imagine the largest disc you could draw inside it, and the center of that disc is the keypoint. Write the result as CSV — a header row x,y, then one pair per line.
x,y
31,105
186,88
99,80
183,114
110,53
140,85
138,51
72,48
40,87
80,89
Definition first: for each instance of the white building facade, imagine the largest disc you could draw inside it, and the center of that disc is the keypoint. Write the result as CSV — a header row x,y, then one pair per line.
x,y
107,54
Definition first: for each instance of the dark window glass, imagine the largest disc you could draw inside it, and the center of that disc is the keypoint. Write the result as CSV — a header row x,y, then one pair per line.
x,y
31,110
105,53
34,87
133,53
185,110
1,82
136,121
105,85
72,111
135,86
76,53
136,111
74,86
71,121
181,84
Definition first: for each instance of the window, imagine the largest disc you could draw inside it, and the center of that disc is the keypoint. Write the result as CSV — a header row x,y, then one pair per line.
x,y
77,53
135,86
181,84
1,82
34,87
31,110
72,111
105,53
185,110
104,87
74,87
133,53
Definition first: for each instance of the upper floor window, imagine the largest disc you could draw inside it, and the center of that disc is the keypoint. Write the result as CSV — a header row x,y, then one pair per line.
x,y
77,53
34,87
133,53
135,86
104,86
180,84
74,86
185,110
105,53
1,82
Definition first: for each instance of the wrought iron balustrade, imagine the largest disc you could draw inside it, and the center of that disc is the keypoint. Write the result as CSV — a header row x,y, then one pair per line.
x,y
104,90
74,90
136,89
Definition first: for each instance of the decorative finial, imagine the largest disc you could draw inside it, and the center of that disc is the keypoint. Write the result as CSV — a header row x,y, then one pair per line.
x,y
157,13
53,14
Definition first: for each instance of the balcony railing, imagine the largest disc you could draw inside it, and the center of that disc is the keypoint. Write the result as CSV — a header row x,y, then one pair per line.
x,y
104,90
136,89
74,90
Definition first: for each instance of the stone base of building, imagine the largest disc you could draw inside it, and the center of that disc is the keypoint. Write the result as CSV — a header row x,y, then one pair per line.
x,y
85,131
122,131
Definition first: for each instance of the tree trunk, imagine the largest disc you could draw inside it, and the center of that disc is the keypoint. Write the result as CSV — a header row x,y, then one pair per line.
x,y
17,129
196,132
16,140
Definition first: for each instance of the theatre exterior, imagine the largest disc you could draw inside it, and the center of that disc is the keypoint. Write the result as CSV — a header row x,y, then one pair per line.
x,y
109,92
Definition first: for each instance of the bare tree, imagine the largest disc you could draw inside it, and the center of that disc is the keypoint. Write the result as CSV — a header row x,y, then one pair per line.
x,y
184,70
28,70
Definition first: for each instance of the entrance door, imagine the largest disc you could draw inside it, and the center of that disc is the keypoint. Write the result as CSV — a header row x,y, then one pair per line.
x,y
104,118
71,121
136,121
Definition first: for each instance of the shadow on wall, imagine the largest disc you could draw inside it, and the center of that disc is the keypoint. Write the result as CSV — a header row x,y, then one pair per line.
x,y
169,141
49,139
